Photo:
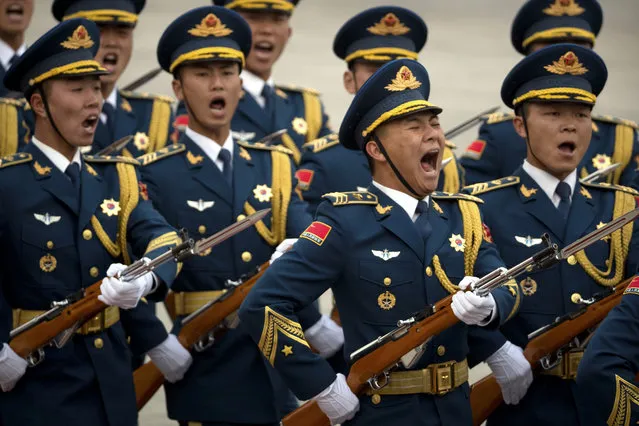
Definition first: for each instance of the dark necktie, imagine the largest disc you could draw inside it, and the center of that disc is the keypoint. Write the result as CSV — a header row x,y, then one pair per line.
x,y
269,100
73,172
563,190
109,111
227,169
422,223
13,60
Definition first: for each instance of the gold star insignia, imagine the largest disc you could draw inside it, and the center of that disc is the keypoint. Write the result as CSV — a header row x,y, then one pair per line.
x,y
288,350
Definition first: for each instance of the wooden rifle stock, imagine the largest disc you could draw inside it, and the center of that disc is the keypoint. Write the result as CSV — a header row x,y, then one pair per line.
x,y
148,378
485,395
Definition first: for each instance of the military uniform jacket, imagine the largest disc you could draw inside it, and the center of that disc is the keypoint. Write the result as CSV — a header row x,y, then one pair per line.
x,y
499,150
53,244
230,382
15,130
366,248
607,390
518,212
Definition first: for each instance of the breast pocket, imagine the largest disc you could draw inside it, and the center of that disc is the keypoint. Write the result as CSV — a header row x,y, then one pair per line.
x,y
44,249
390,291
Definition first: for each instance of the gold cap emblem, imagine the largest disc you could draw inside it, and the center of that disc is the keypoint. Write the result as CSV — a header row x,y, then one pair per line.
x,y
389,25
210,26
404,79
567,64
80,39
564,7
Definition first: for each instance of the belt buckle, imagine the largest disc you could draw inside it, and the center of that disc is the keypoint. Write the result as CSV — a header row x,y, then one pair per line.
x,y
443,378
572,361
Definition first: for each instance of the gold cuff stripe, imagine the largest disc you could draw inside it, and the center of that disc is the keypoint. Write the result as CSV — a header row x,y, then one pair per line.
x,y
404,108
560,32
313,115
104,15
275,323
380,53
557,93
159,125
261,4
208,53
8,130
168,239
626,395
79,67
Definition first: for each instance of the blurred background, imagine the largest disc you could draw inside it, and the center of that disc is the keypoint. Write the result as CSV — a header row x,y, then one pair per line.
x,y
468,53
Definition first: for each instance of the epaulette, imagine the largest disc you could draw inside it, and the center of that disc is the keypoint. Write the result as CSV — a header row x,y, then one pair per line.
x,y
165,152
265,147
145,95
610,186
323,143
110,159
498,117
349,198
450,145
437,195
615,120
294,88
483,187
12,160
11,101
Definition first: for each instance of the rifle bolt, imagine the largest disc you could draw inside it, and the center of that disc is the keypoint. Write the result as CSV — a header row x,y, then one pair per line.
x,y
576,298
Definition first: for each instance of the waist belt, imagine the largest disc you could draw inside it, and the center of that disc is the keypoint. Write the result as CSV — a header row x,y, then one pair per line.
x,y
102,321
568,365
190,301
436,379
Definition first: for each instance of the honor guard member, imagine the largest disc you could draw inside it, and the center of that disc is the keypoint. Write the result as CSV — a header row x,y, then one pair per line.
x,y
66,221
365,42
386,254
552,92
499,150
206,182
146,117
607,391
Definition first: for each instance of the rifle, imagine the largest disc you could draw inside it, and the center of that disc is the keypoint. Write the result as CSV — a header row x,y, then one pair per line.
x,y
460,128
198,331
372,363
58,325
115,146
486,397
141,81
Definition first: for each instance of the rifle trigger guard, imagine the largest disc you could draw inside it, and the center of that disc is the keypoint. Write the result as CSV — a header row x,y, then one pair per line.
x,y
374,382
205,342
35,358
546,362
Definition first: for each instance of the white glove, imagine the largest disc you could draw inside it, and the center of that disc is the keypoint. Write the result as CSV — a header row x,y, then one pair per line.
x,y
337,401
471,308
171,358
512,371
12,368
124,294
325,336
282,248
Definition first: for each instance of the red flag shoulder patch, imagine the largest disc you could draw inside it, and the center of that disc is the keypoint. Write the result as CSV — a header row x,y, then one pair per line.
x,y
633,287
304,178
488,237
475,149
144,192
317,232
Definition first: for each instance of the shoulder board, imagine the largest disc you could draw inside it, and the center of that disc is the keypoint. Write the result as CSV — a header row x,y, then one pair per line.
x,y
450,145
165,152
110,159
321,144
498,117
483,187
145,95
263,147
615,120
437,195
12,160
10,101
294,88
349,198
605,185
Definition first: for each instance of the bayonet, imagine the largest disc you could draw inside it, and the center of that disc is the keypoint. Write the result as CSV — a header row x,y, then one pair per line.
x,y
594,176
116,146
141,81
268,139
460,128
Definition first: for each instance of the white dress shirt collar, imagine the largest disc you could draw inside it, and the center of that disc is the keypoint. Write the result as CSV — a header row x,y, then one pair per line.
x,y
7,52
405,201
60,161
548,183
210,147
254,86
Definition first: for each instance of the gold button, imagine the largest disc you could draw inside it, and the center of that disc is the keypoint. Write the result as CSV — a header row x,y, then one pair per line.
x,y
241,217
98,343
441,350
94,271
87,234
247,256
575,298
429,271
201,229
387,281
49,244
376,399
572,260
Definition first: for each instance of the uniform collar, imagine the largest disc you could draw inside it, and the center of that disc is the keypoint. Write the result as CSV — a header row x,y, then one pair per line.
x,y
405,201
548,183
253,84
112,99
210,147
6,53
58,160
